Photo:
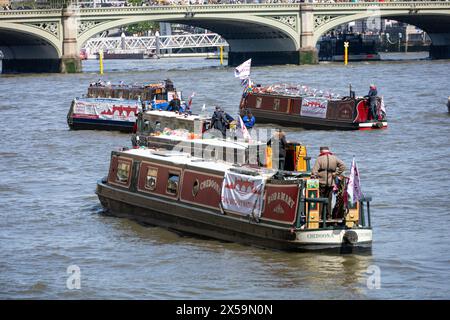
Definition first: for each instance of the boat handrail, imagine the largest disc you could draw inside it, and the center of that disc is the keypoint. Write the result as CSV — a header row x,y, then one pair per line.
x,y
324,202
323,214
367,200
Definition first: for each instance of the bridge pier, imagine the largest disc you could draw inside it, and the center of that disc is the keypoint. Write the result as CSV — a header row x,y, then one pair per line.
x,y
440,46
70,60
308,52
439,52
308,56
70,65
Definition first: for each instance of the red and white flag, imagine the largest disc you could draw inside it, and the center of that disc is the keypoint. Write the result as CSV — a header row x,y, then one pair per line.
x,y
190,99
354,187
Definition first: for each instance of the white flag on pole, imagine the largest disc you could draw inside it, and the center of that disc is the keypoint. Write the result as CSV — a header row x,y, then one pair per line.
x,y
354,187
243,71
382,106
245,132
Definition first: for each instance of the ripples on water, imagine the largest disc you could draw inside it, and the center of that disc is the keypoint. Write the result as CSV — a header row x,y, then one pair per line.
x,y
50,217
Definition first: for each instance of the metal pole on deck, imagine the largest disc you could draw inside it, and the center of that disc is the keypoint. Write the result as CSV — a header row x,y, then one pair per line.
x,y
346,52
221,55
100,58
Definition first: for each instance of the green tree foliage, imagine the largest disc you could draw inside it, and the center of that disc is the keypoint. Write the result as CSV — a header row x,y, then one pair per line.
x,y
141,28
135,2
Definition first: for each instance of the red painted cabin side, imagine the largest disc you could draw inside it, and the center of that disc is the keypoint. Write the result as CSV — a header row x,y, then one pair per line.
x,y
192,186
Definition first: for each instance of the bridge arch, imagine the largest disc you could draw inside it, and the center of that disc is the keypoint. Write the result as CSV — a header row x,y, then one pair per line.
x,y
26,48
437,26
242,32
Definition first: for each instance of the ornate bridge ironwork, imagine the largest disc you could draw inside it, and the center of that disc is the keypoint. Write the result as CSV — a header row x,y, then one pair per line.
x,y
201,40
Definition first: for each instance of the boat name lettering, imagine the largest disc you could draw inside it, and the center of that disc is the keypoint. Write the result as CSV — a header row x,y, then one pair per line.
x,y
282,197
320,235
209,183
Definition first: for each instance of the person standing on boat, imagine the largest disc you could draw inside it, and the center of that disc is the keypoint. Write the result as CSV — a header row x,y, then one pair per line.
x,y
372,97
280,138
326,169
175,103
249,120
219,121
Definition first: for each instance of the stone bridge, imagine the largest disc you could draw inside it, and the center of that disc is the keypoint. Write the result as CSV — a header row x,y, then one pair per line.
x,y
50,40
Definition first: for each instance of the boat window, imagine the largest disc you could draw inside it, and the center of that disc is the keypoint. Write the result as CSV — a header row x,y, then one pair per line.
x,y
276,104
123,171
152,176
195,187
172,183
258,102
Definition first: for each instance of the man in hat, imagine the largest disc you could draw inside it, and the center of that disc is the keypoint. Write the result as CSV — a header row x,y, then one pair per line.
x,y
372,97
326,169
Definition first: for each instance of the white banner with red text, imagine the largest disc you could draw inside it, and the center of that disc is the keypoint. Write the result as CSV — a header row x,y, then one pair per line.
x,y
106,109
242,193
314,107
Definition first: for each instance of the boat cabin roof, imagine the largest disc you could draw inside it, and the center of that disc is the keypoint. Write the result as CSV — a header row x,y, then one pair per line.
x,y
295,91
108,100
178,158
182,159
174,115
215,142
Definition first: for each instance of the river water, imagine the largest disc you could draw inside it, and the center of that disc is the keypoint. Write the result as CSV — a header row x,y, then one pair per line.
x,y
50,217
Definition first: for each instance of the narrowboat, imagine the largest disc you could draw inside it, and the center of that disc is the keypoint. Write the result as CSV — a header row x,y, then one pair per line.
x,y
115,106
249,203
103,114
298,106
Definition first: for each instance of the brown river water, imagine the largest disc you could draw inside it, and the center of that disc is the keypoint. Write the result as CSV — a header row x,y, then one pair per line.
x,y
50,217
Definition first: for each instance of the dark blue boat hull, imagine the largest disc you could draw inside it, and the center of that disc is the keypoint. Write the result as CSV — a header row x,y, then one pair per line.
x,y
100,124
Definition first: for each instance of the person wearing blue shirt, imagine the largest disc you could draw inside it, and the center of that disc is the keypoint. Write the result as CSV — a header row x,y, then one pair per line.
x,y
249,120
174,104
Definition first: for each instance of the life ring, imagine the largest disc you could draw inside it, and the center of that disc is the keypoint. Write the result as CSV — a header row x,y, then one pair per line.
x,y
350,237
377,125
